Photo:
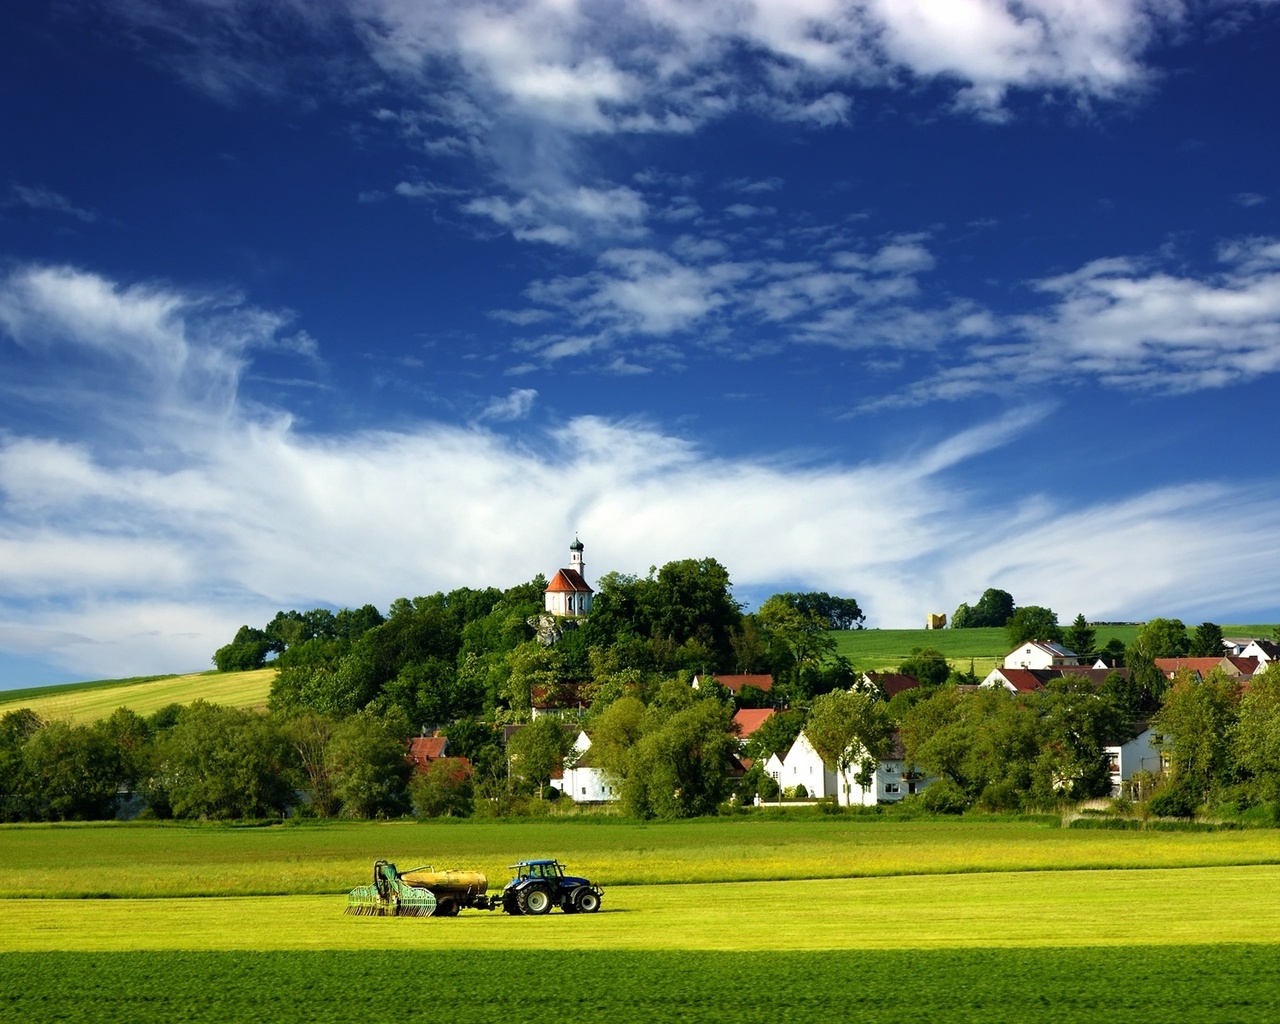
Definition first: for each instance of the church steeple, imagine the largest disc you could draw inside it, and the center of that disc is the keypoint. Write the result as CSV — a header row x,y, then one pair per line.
x,y
575,557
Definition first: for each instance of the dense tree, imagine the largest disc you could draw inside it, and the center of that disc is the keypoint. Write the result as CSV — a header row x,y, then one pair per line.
x,y
1196,721
219,762
367,763
1079,637
310,733
247,651
1032,623
481,744
994,608
928,665
1206,641
848,728
679,768
538,750
1162,638
836,612
73,772
442,789
1256,741
1075,723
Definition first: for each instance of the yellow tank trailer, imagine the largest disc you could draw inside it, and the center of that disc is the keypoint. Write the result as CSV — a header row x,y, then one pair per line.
x,y
420,892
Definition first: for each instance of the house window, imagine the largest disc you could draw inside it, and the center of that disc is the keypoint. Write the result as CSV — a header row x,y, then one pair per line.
x,y
584,790
892,787
889,769
1113,760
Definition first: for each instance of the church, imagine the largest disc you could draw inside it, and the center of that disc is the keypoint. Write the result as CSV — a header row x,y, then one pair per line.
x,y
568,595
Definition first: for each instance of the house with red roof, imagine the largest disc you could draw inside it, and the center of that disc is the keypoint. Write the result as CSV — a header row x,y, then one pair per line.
x,y
735,683
891,683
425,751
568,595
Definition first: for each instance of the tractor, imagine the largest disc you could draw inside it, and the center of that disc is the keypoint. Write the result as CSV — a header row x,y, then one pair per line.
x,y
540,885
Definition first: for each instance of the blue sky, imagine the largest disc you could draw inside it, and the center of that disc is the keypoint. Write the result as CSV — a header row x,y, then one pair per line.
x,y
334,302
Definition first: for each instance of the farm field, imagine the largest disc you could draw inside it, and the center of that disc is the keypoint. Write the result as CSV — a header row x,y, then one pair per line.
x,y
145,860
1203,983
945,920
89,702
910,912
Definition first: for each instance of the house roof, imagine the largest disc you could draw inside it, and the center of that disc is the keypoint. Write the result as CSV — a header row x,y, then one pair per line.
x,y
1097,676
1245,666
736,683
570,581
1172,666
1268,647
749,720
1057,650
423,749
1025,680
893,683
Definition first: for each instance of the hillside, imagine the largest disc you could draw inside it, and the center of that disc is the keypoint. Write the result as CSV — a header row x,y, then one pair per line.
x,y
86,702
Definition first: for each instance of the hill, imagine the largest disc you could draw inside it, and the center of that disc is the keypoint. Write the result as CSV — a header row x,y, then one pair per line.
x,y
86,702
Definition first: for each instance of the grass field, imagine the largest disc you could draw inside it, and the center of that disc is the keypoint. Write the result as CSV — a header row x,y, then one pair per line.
x,y
1202,983
87,702
78,861
851,919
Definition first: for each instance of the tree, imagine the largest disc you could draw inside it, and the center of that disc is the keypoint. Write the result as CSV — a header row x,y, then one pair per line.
x,y
1196,720
367,763
1256,740
679,767
1032,623
775,735
1080,638
310,733
538,750
442,789
1206,641
247,651
836,612
1075,723
926,664
797,639
219,762
994,608
1162,638
848,728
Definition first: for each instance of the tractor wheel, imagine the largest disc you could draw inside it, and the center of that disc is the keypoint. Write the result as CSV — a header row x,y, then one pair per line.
x,y
586,901
535,901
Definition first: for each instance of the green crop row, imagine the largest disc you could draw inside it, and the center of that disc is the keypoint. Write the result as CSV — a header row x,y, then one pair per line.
x,y
1196,983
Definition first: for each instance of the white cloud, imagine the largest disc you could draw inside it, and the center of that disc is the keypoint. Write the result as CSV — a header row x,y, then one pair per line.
x,y
516,406
38,198
1129,324
123,557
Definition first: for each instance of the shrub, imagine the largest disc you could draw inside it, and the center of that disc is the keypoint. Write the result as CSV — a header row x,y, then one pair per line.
x,y
944,797
999,796
1173,800
801,793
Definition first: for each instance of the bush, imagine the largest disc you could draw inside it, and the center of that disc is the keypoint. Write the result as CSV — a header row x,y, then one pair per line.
x,y
443,789
1173,800
944,797
801,793
998,797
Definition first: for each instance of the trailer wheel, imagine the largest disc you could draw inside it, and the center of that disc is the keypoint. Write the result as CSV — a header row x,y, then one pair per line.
x,y
586,901
447,908
535,901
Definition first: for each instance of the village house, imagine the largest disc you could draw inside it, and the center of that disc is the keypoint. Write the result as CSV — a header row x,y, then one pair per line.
x,y
892,779
580,779
1137,754
1036,654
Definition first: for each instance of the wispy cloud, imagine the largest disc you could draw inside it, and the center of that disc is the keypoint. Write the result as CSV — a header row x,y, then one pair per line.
x,y
37,198
119,557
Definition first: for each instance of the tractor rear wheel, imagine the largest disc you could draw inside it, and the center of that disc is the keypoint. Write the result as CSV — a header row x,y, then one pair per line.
x,y
586,901
535,901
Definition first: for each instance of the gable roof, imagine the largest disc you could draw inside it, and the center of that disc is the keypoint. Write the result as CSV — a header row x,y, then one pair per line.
x,y
568,581
1172,666
736,683
424,749
893,683
1245,666
1024,680
749,720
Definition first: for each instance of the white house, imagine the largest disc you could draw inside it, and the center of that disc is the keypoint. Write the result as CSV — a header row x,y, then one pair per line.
x,y
568,594
1135,755
1036,654
890,782
1264,650
802,767
581,781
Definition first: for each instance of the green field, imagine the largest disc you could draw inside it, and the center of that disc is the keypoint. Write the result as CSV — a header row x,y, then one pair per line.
x,y
843,918
1202,983
142,860
87,702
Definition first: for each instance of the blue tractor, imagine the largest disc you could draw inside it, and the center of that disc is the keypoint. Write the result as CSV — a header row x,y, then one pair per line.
x,y
540,885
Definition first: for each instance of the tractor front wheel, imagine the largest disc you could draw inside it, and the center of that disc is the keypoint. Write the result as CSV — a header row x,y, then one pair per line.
x,y
586,901
535,901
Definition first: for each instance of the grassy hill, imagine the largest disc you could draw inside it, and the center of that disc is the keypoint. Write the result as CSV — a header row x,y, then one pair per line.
x,y
86,702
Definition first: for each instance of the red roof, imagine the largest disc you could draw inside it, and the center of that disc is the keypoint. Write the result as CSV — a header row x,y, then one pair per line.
x,y
568,580
750,719
1245,666
1172,666
1025,680
425,749
736,683
893,683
